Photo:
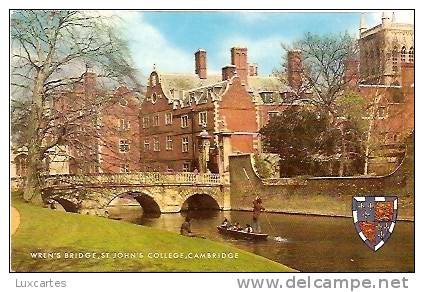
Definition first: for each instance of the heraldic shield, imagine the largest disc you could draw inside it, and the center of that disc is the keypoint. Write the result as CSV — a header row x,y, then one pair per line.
x,y
374,219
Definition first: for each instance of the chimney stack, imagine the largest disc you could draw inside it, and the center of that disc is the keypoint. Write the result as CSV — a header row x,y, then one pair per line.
x,y
253,69
239,59
200,63
90,81
294,69
407,75
351,73
228,72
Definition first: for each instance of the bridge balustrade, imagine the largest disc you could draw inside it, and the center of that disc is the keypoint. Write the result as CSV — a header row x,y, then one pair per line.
x,y
137,178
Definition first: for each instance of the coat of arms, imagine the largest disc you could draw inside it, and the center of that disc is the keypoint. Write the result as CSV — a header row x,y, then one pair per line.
x,y
374,219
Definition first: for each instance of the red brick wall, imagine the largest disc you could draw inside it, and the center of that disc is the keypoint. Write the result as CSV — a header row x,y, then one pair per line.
x,y
239,113
126,107
175,158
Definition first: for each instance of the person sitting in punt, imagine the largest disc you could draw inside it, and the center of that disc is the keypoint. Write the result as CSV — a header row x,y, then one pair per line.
x,y
225,223
238,227
248,228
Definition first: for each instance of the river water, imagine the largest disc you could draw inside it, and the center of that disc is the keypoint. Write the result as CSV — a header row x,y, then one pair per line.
x,y
311,243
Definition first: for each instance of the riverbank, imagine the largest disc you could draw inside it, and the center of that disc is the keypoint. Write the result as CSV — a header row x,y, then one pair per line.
x,y
46,240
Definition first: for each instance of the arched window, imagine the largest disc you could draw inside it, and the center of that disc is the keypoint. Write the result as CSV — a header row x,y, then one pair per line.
x,y
411,55
403,54
395,59
21,165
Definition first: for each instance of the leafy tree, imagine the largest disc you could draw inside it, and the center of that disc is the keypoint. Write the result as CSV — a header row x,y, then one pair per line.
x,y
305,139
50,51
296,135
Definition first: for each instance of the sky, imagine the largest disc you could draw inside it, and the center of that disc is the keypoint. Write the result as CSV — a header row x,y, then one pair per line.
x,y
168,40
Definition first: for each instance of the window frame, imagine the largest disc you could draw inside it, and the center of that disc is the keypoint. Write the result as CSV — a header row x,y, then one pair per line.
x,y
185,144
205,114
124,168
146,145
184,118
272,114
146,122
186,169
168,118
169,145
124,143
156,144
155,122
124,124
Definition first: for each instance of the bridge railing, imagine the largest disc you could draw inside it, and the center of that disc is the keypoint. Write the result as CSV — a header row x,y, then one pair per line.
x,y
134,179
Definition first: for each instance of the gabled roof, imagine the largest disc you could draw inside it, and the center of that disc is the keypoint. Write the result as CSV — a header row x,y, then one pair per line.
x,y
182,88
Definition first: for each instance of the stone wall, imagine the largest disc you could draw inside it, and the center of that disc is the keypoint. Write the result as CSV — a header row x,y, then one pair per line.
x,y
320,196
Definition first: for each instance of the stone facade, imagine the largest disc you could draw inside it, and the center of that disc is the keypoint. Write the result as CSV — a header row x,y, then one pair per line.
x,y
383,49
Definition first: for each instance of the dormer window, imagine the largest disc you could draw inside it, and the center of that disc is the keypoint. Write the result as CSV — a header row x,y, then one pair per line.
x,y
154,98
267,97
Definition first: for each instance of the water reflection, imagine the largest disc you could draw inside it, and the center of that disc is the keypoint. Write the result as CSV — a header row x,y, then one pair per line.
x,y
310,243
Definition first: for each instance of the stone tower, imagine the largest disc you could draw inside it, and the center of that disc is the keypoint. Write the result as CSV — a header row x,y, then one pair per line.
x,y
382,50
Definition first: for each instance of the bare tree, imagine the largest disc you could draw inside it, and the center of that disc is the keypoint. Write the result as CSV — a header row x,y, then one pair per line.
x,y
323,72
51,51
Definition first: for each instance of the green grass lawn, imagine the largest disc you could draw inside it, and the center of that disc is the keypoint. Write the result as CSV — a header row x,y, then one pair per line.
x,y
44,230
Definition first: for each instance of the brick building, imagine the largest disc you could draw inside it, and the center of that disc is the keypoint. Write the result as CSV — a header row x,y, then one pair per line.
x,y
195,121
102,131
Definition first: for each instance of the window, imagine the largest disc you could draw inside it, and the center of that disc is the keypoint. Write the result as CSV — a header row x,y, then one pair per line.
x,y
153,80
155,121
146,145
146,121
154,98
168,118
184,121
272,114
396,137
124,124
203,119
267,97
169,145
123,102
395,60
124,146
156,144
403,55
125,168
381,114
411,55
185,144
186,167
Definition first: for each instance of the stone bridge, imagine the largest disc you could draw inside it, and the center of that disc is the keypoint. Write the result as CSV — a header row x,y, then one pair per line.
x,y
155,192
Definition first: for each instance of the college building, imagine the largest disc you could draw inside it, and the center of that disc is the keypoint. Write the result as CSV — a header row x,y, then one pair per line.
x,y
194,122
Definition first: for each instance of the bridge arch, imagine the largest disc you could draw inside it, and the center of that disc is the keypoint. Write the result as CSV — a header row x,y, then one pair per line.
x,y
66,204
200,201
146,201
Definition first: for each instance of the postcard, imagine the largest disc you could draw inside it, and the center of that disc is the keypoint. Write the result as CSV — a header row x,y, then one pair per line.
x,y
212,141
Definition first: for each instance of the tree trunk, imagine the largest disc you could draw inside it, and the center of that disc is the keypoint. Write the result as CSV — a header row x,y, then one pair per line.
x,y
32,191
